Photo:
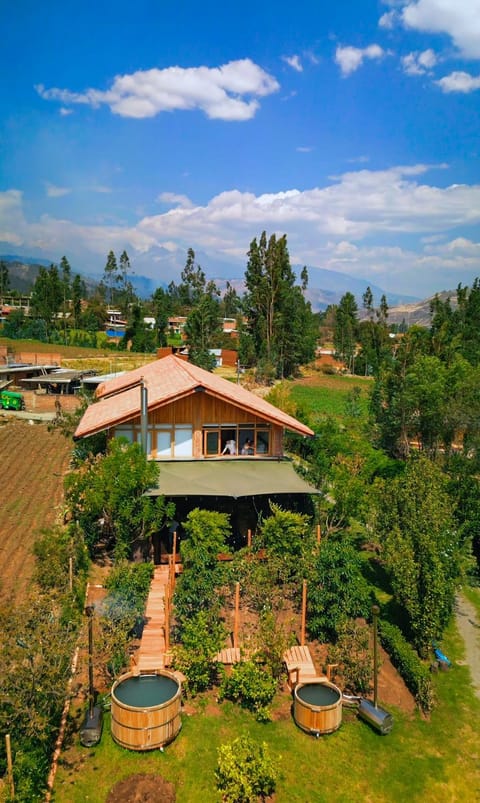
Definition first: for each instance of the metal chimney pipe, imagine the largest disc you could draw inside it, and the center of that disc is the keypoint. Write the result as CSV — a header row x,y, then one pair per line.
x,y
144,416
91,691
375,612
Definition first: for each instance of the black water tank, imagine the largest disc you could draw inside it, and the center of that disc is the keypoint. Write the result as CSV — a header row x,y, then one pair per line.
x,y
91,730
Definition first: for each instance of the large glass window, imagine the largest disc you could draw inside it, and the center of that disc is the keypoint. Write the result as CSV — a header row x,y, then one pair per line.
x,y
232,439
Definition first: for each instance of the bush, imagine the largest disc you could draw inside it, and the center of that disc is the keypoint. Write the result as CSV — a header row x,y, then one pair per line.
x,y
337,590
250,686
352,654
284,533
128,585
245,771
53,551
414,672
202,638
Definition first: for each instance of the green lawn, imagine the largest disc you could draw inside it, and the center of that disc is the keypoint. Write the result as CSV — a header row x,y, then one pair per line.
x,y
327,395
420,760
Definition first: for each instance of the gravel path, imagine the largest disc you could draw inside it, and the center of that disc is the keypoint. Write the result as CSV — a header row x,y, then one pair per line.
x,y
469,628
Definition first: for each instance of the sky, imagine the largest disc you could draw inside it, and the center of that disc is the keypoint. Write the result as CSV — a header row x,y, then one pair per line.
x,y
350,126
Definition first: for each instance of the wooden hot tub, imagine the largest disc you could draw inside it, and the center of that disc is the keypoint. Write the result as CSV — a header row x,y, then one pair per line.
x,y
146,710
317,707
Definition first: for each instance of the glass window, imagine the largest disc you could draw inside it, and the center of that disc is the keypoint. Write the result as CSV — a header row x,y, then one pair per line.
x,y
262,445
183,441
164,443
125,432
212,441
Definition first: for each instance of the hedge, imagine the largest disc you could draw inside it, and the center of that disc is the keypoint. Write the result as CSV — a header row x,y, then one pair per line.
x,y
403,656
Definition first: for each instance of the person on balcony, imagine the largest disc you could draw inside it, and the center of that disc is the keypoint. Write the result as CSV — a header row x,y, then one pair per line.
x,y
247,447
230,447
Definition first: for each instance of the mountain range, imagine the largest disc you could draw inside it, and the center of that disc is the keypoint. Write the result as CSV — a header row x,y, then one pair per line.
x,y
325,286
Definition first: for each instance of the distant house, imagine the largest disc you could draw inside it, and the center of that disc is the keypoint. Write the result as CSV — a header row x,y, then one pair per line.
x,y
213,439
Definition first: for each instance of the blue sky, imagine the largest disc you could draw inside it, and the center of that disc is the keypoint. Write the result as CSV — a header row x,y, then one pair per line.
x,y
353,127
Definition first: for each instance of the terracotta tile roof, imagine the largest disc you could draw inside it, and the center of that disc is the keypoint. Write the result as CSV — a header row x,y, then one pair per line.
x,y
168,379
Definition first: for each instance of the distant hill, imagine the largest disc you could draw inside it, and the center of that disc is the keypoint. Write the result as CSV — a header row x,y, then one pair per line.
x,y
23,271
22,274
418,312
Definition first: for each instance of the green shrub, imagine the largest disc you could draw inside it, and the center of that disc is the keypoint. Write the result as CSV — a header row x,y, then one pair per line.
x,y
53,551
352,654
128,585
245,771
337,590
414,672
251,686
30,770
202,637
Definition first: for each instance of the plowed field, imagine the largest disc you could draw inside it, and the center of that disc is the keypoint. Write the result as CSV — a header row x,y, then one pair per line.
x,y
33,462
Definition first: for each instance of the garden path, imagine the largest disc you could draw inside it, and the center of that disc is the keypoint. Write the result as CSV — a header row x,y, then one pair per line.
x,y
151,654
469,629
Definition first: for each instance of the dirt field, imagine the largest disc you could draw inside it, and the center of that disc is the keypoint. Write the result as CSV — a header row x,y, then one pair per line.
x,y
33,464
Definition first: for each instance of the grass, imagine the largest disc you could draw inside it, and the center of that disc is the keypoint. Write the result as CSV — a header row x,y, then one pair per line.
x,y
420,760
328,395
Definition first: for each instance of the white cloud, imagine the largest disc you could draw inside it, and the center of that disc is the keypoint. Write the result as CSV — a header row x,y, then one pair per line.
x,y
228,92
350,58
416,63
175,199
459,82
358,222
53,191
304,149
63,112
459,19
363,159
100,188
293,62
388,20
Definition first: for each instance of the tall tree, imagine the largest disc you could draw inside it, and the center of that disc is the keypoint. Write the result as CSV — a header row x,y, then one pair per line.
x,y
66,277
231,302
110,273
193,282
278,316
346,330
421,548
4,278
78,292
47,296
162,309
203,328
125,291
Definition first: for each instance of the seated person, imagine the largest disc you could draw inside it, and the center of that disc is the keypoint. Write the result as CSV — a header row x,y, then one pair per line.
x,y
230,447
247,447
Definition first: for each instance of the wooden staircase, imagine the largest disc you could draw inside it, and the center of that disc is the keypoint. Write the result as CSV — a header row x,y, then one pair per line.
x,y
151,653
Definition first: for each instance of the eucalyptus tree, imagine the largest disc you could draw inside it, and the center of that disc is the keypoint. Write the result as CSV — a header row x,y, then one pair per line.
x,y
280,321
47,296
4,278
346,330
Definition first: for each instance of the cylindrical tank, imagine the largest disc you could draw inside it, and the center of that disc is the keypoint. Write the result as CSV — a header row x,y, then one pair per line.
x,y
379,719
146,710
317,707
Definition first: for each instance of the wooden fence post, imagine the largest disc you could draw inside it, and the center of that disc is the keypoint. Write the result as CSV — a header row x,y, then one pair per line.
x,y
304,613
9,765
236,615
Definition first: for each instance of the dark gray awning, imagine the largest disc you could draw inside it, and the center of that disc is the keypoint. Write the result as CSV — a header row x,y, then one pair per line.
x,y
234,478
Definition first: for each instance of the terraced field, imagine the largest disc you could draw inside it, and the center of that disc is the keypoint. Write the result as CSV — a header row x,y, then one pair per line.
x,y
33,462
